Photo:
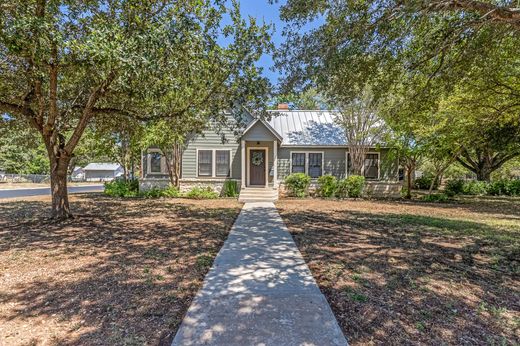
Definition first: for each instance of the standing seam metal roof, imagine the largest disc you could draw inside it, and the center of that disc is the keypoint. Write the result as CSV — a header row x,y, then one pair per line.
x,y
306,127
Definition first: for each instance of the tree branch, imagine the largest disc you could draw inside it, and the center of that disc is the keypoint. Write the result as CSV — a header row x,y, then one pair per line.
x,y
487,10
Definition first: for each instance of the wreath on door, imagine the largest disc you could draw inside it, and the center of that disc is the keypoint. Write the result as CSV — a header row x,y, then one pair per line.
x,y
257,159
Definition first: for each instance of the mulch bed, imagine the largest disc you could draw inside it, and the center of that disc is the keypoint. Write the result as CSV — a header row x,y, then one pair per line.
x,y
120,272
408,273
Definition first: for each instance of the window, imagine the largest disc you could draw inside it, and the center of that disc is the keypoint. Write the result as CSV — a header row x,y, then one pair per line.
x,y
371,166
205,163
222,158
315,162
155,162
298,163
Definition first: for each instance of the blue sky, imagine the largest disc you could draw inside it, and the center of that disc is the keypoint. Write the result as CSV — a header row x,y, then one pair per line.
x,y
262,10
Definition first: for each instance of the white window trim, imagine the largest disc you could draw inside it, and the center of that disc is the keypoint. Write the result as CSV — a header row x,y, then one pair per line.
x,y
149,161
213,163
307,160
266,164
363,167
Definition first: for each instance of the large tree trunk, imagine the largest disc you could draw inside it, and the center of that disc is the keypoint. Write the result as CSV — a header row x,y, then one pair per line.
x,y
60,198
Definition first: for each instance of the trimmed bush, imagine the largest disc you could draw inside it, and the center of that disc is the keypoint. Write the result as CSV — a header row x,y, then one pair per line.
x,y
122,188
201,193
476,188
351,187
435,197
171,191
454,187
327,185
424,182
503,187
514,187
230,189
298,184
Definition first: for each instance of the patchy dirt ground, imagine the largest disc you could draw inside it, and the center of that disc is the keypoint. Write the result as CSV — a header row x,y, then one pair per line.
x,y
121,272
408,273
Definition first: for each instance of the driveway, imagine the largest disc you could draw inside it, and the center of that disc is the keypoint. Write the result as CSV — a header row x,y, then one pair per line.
x,y
42,191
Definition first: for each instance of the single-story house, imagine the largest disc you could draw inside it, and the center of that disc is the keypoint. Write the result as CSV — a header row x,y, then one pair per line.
x,y
263,152
102,171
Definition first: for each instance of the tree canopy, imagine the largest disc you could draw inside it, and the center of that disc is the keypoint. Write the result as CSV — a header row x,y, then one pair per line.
x,y
65,65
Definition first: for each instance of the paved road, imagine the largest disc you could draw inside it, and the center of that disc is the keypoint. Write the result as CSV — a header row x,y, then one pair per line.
x,y
46,191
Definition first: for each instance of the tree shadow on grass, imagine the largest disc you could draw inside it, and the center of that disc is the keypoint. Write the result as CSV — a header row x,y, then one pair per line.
x,y
121,272
408,279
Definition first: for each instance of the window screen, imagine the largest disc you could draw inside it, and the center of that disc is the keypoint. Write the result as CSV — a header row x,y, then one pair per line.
x,y
205,162
298,163
315,169
222,162
155,162
371,166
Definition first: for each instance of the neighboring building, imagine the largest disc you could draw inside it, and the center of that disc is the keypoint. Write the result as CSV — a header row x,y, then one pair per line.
x,y
78,174
102,171
265,152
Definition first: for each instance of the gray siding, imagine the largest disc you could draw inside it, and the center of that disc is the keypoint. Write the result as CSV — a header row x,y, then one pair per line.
x,y
211,140
259,133
333,160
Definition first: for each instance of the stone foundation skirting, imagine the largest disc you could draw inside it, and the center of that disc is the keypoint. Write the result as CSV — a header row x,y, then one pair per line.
x,y
388,189
186,184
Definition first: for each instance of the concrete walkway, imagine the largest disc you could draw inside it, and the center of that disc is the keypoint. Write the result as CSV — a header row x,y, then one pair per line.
x,y
259,291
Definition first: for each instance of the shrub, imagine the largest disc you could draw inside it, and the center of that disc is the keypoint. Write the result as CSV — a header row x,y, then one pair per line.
x,y
327,185
155,192
424,182
171,191
351,187
230,189
122,188
435,197
298,184
454,187
474,187
504,187
201,193
499,187
514,187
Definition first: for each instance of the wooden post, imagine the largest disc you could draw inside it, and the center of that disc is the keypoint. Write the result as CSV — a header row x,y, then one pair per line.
x,y
243,163
275,164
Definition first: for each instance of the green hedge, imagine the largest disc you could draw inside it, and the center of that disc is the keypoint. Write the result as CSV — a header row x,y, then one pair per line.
x,y
502,187
298,184
122,188
130,188
351,186
327,185
424,182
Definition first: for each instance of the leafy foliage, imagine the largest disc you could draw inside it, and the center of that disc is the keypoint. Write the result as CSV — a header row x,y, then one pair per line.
x,y
435,197
327,185
352,187
424,182
454,187
298,184
122,188
230,188
201,193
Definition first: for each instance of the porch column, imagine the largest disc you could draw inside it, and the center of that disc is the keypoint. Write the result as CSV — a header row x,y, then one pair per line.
x,y
243,162
275,164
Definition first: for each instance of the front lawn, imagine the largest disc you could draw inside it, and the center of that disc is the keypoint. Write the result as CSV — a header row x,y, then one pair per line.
x,y
121,272
412,272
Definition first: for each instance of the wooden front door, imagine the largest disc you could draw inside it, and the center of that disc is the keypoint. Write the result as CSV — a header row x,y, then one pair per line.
x,y
257,167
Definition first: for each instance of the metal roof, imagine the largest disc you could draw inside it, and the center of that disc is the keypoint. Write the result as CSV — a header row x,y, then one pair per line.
x,y
302,127
102,167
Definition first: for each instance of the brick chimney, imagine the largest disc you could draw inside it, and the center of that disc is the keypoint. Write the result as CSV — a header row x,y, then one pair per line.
x,y
283,106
